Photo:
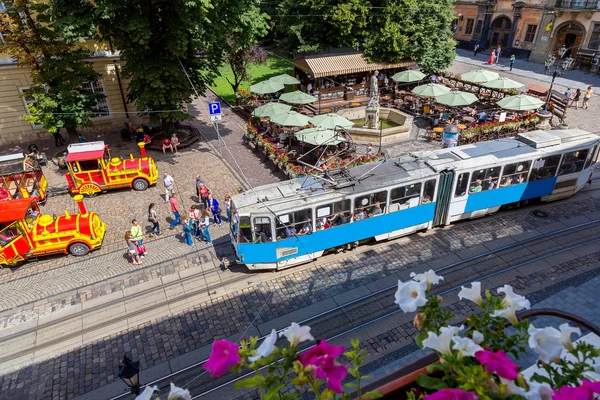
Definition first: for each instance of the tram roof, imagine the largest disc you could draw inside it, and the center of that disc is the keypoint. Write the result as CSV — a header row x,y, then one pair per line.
x,y
14,210
296,193
85,151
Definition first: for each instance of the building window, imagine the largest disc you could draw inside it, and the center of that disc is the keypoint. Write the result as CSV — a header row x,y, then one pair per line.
x,y
26,101
469,26
454,26
101,108
595,38
479,26
530,33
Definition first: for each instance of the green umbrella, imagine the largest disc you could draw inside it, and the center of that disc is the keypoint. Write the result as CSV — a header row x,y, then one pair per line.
x,y
408,76
298,97
270,109
481,75
286,79
290,118
503,83
456,98
267,86
520,102
330,121
320,136
431,90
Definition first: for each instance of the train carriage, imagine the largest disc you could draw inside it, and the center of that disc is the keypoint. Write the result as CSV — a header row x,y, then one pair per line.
x,y
21,176
287,223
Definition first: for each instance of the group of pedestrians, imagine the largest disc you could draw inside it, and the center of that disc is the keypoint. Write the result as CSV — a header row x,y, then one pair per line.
x,y
574,97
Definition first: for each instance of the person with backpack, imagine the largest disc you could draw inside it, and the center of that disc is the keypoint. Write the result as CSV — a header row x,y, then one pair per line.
x,y
153,218
204,192
214,207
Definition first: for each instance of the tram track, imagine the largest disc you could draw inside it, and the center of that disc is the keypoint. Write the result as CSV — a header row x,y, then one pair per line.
x,y
378,305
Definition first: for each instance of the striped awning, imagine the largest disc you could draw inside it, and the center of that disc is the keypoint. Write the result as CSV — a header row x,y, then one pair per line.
x,y
343,64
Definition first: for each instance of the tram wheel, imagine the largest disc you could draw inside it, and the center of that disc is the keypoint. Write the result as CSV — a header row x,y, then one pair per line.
x,y
89,189
79,249
140,184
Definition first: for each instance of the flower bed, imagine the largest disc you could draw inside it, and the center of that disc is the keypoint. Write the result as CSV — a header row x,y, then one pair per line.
x,y
494,130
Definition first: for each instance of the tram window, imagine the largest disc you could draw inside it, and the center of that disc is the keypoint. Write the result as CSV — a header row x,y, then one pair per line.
x,y
590,156
428,192
262,230
368,203
484,179
515,173
544,168
296,223
245,230
332,215
400,197
461,184
89,165
573,162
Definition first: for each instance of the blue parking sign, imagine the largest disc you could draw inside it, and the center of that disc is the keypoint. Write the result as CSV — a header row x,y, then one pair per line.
x,y
214,108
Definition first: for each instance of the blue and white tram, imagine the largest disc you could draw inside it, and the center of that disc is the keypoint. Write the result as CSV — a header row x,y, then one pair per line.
x,y
287,223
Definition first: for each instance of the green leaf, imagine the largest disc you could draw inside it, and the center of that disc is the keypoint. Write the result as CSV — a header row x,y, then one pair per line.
x,y
372,395
246,383
274,392
428,382
419,339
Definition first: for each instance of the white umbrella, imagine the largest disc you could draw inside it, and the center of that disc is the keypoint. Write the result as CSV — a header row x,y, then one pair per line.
x,y
290,118
521,102
330,121
503,83
456,98
408,76
431,90
480,75
267,86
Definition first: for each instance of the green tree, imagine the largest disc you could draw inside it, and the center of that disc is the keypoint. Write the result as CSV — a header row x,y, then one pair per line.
x,y
58,67
239,61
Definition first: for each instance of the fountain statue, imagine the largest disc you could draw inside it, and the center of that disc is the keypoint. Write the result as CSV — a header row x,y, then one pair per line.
x,y
372,111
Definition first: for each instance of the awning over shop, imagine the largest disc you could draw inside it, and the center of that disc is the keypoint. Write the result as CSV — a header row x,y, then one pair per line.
x,y
342,64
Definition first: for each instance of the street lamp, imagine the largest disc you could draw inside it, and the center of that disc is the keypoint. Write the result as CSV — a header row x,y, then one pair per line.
x,y
129,372
561,65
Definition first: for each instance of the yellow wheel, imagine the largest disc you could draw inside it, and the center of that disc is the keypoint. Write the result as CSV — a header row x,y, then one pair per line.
x,y
89,189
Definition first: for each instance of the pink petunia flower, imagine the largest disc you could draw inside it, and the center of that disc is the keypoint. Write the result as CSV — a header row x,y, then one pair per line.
x,y
498,363
224,355
322,359
451,394
584,392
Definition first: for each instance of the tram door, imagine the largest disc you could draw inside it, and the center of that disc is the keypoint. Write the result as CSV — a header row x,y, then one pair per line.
x,y
442,204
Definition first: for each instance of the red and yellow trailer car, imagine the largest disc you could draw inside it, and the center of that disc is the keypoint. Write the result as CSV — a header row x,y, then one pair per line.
x,y
21,176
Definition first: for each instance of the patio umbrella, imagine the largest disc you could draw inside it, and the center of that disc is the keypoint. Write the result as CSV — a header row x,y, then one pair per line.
x,y
480,75
319,136
267,86
270,109
456,98
286,79
503,83
521,102
408,76
330,121
290,118
431,90
298,97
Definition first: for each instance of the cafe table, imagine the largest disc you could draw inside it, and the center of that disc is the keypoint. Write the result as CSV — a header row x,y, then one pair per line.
x,y
461,126
355,104
438,129
326,110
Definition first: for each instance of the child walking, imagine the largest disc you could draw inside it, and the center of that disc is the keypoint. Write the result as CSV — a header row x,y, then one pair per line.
x,y
153,218
132,248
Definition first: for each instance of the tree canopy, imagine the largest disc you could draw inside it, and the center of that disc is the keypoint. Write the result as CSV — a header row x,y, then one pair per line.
x,y
58,67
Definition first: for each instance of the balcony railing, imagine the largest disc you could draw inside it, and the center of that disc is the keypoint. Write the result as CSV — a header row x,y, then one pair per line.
x,y
577,4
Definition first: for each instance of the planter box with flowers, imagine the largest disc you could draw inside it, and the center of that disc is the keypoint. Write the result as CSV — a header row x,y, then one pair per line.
x,y
495,128
473,358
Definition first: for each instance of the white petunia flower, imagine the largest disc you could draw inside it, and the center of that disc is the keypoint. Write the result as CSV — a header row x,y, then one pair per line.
x,y
566,331
465,346
428,277
410,295
473,293
147,393
477,337
297,334
538,391
511,388
441,343
512,303
178,393
266,347
545,342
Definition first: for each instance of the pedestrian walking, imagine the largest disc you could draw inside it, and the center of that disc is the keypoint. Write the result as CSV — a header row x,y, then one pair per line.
x,y
198,182
193,218
204,193
235,223
498,51
132,249
576,98
215,209
187,232
586,97
153,218
512,61
169,186
476,49
492,58
204,224
228,207
138,236
58,139
175,211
